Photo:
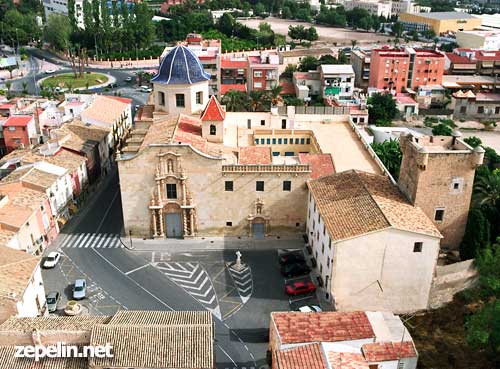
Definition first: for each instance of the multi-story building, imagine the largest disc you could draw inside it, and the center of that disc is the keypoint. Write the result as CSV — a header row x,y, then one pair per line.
x,y
22,292
233,73
407,6
61,7
337,81
340,340
472,61
439,22
360,61
397,70
437,175
477,106
375,7
263,71
19,131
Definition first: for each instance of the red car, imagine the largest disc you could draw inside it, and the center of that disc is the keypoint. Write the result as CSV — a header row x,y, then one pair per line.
x,y
300,288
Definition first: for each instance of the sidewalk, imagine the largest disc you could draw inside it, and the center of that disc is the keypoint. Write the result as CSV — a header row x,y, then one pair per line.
x,y
211,243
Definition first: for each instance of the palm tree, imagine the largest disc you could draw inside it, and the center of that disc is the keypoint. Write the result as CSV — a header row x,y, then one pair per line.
x,y
390,155
256,100
234,100
274,95
487,189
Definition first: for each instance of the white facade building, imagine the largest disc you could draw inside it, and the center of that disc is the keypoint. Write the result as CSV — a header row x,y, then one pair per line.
x,y
61,7
373,249
337,81
479,39
375,7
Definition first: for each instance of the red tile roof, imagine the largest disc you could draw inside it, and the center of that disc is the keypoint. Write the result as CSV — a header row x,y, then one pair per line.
x,y
459,59
18,121
321,164
387,351
295,327
7,106
255,155
346,360
302,357
404,99
228,63
228,87
487,54
213,111
125,100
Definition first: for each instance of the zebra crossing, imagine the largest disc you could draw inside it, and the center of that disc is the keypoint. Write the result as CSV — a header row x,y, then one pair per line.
x,y
194,279
92,240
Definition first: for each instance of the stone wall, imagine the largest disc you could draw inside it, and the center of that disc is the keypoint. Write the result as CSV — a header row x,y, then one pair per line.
x,y
451,279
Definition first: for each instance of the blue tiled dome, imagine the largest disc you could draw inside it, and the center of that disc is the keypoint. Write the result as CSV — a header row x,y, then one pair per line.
x,y
181,66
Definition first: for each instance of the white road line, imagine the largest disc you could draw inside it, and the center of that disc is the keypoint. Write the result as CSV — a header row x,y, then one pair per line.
x,y
66,240
89,242
133,281
181,267
136,269
78,238
225,353
107,241
98,242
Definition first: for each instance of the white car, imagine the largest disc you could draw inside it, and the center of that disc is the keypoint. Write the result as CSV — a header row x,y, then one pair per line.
x,y
310,309
128,79
49,71
145,89
51,260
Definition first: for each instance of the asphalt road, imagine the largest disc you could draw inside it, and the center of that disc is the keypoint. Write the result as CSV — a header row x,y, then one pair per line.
x,y
119,278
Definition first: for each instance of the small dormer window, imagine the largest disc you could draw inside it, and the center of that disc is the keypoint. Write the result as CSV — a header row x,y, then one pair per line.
x,y
213,130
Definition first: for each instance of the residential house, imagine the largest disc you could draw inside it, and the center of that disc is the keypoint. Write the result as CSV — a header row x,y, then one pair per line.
x,y
22,292
486,39
473,61
337,81
360,60
406,105
110,112
373,248
340,340
26,216
140,339
86,140
19,131
477,106
263,73
307,84
233,73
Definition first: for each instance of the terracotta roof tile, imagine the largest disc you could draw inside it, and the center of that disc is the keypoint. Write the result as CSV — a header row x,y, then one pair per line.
x,y
18,121
57,323
255,155
346,360
213,111
105,109
302,357
353,203
10,361
295,327
387,351
22,203
321,164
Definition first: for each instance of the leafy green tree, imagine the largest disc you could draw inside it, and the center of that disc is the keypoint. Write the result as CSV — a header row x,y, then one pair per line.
x,y
297,32
286,13
226,24
473,141
328,59
389,153
57,31
259,9
483,327
88,20
491,158
289,70
106,25
442,129
477,234
308,63
143,27
397,29
72,16
381,108
312,34
235,100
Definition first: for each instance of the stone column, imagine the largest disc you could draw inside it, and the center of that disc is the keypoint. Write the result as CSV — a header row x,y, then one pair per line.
x,y
158,183
162,224
155,229
184,222
191,217
183,184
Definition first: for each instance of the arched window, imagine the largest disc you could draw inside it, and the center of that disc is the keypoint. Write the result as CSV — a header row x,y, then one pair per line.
x,y
213,130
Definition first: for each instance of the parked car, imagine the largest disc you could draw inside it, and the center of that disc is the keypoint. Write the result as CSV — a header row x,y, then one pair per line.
x,y
52,301
128,79
310,309
145,89
51,260
291,258
49,71
294,270
79,289
113,85
300,288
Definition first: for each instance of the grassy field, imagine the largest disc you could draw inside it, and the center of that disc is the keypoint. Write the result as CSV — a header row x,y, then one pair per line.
x,y
68,80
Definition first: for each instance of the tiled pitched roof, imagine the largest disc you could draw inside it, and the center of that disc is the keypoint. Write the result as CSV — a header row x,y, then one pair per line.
x,y
213,111
10,361
56,323
387,351
321,164
255,155
138,317
346,360
21,205
18,121
302,357
105,109
31,175
62,158
354,203
459,59
294,327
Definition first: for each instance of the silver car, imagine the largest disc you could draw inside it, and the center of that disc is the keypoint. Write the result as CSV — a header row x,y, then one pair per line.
x,y
52,301
79,289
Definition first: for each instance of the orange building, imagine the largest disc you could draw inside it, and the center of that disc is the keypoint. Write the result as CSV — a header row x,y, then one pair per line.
x,y
399,70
